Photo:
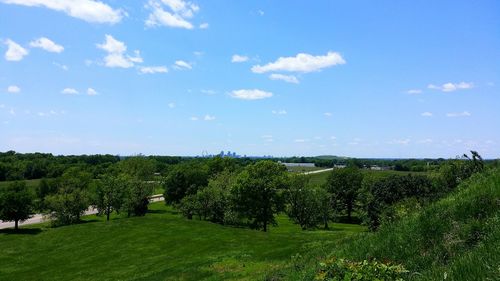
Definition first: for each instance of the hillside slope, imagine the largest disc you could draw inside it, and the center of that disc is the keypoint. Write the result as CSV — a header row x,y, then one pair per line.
x,y
455,238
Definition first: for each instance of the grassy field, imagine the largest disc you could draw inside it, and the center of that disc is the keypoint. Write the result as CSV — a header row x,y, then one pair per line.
x,y
160,246
320,178
304,169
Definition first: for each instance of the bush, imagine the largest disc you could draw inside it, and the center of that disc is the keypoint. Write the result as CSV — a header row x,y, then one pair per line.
x,y
334,269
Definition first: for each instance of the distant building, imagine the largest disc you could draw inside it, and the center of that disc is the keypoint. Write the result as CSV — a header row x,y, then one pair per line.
x,y
299,164
339,166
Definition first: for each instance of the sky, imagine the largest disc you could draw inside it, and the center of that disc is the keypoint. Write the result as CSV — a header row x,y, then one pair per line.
x,y
381,79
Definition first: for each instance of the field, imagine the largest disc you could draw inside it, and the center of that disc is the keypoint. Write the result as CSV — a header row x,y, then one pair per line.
x,y
304,169
160,246
320,178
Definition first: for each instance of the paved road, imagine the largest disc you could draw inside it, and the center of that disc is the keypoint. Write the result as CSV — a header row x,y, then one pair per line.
x,y
318,171
39,218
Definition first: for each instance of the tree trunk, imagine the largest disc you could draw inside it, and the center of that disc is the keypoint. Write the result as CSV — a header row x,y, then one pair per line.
x,y
16,225
326,223
107,213
349,211
265,225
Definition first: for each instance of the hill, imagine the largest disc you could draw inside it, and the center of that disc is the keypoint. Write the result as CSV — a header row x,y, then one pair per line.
x,y
455,238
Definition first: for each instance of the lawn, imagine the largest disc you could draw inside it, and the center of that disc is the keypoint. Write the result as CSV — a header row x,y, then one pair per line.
x,y
320,178
160,246
304,169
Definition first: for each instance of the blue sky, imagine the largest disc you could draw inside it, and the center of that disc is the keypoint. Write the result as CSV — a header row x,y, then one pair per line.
x,y
175,77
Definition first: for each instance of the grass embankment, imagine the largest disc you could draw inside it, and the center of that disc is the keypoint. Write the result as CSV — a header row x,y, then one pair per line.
x,y
455,238
160,246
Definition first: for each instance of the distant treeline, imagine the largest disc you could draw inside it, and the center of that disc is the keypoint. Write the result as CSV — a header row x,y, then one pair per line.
x,y
408,165
27,166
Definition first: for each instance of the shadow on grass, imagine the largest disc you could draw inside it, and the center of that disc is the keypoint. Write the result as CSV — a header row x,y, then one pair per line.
x,y
56,225
21,231
345,219
161,212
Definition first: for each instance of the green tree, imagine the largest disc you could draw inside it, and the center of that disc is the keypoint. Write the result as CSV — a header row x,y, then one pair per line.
x,y
183,180
136,197
258,193
72,198
16,203
302,202
343,185
110,194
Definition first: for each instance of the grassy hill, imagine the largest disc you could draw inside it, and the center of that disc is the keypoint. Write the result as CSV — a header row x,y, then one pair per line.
x,y
160,246
455,238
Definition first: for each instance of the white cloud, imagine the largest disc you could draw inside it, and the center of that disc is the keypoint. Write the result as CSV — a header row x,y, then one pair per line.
x,y
260,12
458,114
267,138
301,63
69,91
279,112
425,141
208,92
414,92
46,44
451,87
62,66
171,105
400,141
194,118
92,92
116,53
426,114
286,78
333,137
328,114
300,140
204,25
137,58
250,94
153,69
239,58
13,89
88,10
14,51
172,13
180,64
209,117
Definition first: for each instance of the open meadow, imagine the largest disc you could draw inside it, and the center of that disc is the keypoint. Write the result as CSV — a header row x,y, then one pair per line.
x,y
160,246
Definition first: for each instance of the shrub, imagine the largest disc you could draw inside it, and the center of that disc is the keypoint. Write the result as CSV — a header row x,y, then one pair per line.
x,y
334,269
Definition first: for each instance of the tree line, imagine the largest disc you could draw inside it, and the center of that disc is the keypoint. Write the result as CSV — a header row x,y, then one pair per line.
x,y
231,192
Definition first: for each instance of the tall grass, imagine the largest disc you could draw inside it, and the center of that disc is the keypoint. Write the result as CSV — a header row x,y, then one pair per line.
x,y
455,238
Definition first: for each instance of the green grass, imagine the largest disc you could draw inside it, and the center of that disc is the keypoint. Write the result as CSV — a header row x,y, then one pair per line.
x,y
160,246
457,236
320,178
304,169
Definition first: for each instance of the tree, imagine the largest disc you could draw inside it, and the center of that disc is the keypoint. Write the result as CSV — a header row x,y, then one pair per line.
x,y
72,197
136,197
183,180
303,204
324,205
110,194
344,185
258,192
16,203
